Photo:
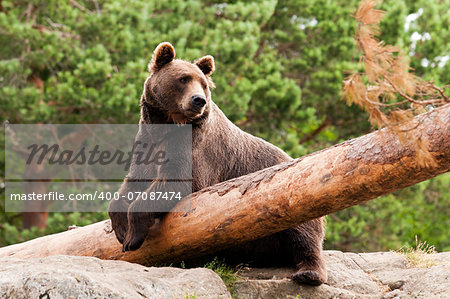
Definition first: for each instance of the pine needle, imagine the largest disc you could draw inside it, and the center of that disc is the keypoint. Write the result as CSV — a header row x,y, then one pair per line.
x,y
388,90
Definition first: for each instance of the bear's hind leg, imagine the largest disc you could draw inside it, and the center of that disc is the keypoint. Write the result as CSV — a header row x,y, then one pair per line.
x,y
305,246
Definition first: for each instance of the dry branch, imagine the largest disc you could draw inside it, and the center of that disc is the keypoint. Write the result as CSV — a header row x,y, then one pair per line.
x,y
270,200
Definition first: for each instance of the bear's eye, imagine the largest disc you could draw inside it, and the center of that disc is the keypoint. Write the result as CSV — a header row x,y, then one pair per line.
x,y
184,80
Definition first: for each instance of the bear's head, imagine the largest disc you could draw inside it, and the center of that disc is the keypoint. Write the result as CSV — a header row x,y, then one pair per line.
x,y
177,88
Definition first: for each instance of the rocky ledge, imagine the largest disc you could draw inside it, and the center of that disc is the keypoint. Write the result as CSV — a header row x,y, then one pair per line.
x,y
350,275
88,277
356,275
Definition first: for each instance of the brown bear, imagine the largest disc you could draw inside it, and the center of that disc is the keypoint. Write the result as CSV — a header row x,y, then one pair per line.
x,y
178,92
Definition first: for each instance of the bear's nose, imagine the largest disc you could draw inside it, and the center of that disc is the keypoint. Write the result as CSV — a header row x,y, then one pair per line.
x,y
198,101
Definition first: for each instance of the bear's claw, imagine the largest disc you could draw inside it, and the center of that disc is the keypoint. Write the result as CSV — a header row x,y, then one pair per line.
x,y
134,240
133,244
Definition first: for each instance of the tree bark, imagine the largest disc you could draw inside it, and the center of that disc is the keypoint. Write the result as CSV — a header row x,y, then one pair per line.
x,y
272,199
30,217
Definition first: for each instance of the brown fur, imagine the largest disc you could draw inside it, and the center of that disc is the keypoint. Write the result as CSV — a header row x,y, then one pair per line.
x,y
220,151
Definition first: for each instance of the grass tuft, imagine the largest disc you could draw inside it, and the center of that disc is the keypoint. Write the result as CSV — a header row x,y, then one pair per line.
x,y
419,256
227,273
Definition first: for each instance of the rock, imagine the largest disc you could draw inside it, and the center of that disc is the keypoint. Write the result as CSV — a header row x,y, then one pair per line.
x,y
88,277
352,275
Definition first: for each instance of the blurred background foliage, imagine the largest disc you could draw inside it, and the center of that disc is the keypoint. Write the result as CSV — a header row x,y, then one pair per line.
x,y
279,72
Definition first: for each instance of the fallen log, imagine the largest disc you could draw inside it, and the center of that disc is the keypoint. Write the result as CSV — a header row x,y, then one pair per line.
x,y
270,200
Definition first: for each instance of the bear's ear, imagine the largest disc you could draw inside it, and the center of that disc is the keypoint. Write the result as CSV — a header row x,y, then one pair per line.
x,y
163,54
206,64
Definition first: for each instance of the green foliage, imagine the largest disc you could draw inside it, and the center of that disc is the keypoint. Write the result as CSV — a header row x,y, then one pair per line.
x,y
433,25
395,220
11,232
279,72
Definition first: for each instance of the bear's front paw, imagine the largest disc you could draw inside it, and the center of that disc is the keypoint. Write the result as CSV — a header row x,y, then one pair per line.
x,y
118,213
138,229
134,240
119,223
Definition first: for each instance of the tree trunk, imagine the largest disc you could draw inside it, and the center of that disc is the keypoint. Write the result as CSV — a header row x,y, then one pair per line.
x,y
272,199
31,218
